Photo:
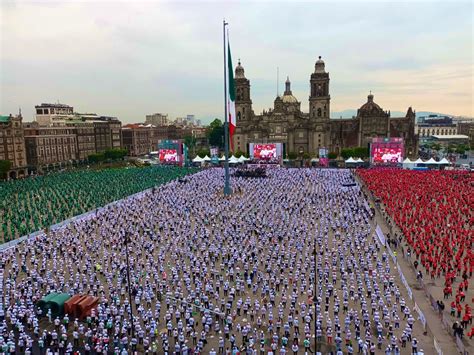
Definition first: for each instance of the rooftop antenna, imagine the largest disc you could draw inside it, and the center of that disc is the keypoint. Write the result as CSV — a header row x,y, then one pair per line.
x,y
278,74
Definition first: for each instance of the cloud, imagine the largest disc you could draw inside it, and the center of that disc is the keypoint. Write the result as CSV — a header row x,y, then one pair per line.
x,y
133,58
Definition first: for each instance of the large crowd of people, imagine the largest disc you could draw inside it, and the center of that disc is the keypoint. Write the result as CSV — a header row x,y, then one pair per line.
x,y
283,264
38,202
434,211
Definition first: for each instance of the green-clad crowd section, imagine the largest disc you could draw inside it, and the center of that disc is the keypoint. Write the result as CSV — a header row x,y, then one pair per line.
x,y
36,203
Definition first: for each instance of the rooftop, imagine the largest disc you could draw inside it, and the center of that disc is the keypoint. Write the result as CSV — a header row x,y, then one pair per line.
x,y
53,105
4,119
452,136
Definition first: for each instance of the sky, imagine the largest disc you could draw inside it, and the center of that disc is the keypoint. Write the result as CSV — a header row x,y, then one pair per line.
x,y
132,58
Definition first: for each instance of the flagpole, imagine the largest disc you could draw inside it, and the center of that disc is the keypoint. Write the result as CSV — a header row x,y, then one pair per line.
x,y
227,190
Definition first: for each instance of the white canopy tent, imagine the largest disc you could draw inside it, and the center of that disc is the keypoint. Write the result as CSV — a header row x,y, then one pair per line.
x,y
242,159
206,158
350,161
198,159
431,162
359,160
408,164
444,161
418,161
222,158
233,160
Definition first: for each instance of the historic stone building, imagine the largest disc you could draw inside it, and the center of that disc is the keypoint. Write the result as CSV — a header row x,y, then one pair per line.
x,y
302,132
12,145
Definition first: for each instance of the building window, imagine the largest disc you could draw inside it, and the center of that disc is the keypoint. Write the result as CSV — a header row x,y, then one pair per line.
x,y
319,111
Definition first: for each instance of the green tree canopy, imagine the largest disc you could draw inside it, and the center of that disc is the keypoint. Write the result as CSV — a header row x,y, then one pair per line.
x,y
292,155
203,152
215,133
361,152
5,166
332,155
238,154
115,154
190,141
96,157
346,153
461,149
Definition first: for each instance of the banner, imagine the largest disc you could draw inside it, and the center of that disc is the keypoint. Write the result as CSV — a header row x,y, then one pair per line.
x,y
437,347
421,316
380,235
404,282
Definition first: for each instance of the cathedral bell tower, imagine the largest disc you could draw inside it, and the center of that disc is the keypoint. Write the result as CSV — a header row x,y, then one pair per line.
x,y
319,98
243,109
243,103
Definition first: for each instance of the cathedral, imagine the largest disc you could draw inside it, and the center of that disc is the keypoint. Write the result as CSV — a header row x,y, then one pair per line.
x,y
302,132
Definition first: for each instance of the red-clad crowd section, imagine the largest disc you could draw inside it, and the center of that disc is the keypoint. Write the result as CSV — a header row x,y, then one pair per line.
x,y
435,211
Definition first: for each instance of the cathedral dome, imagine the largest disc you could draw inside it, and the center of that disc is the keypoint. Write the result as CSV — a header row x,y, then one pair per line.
x,y
287,95
239,71
370,108
289,99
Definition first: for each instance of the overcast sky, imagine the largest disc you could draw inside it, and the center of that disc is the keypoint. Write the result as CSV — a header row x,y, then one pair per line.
x,y
128,59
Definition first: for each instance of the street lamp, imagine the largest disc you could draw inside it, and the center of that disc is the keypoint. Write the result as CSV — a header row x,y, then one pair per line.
x,y
126,243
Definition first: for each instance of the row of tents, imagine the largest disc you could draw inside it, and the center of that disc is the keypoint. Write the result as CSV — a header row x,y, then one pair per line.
x,y
411,164
351,160
232,159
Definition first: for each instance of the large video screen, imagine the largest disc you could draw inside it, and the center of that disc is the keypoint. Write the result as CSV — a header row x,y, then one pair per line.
x,y
168,155
387,150
265,151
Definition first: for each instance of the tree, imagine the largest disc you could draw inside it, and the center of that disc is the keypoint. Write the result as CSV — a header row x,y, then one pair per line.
x,y
306,155
292,155
361,152
451,148
436,147
115,154
461,149
215,133
346,153
96,157
238,154
203,152
5,166
190,142
332,155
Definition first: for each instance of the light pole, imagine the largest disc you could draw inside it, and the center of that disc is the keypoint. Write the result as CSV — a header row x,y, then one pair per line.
x,y
126,242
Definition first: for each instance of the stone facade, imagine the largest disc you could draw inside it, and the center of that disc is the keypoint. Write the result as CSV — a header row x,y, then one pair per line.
x,y
50,145
140,139
12,145
307,132
467,128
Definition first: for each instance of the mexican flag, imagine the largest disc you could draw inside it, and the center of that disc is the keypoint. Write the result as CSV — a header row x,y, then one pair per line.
x,y
230,96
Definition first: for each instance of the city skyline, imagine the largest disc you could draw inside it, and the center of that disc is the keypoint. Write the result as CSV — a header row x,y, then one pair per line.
x,y
136,59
